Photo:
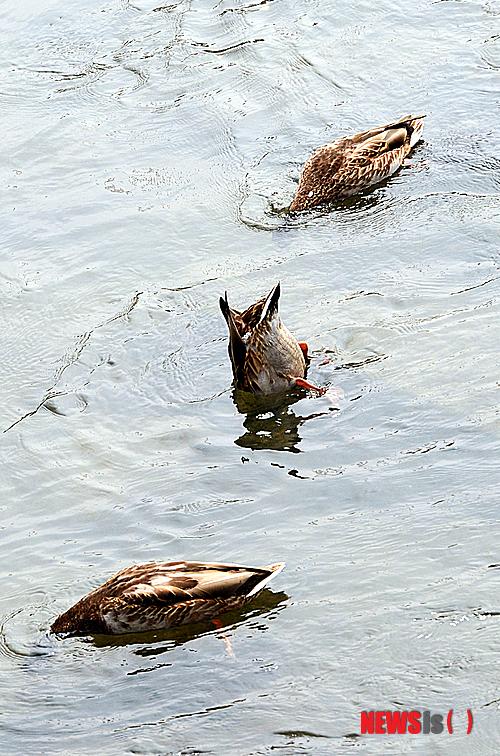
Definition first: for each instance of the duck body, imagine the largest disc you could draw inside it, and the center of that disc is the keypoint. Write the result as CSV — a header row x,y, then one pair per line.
x,y
265,357
158,596
351,164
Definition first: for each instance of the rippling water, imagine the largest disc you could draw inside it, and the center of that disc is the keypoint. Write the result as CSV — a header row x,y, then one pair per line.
x,y
148,154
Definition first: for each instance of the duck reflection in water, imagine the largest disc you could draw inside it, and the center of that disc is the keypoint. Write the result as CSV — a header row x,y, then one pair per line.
x,y
270,423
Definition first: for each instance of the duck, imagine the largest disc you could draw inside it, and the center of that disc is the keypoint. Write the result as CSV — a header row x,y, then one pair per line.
x,y
353,163
265,357
160,595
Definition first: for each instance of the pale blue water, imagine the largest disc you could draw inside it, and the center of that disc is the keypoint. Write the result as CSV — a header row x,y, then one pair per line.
x,y
146,152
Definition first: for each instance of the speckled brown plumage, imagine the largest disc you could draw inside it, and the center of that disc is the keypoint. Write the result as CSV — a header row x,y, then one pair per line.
x,y
265,357
160,595
351,164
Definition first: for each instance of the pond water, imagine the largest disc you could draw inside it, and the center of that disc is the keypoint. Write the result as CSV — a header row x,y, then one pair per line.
x,y
148,153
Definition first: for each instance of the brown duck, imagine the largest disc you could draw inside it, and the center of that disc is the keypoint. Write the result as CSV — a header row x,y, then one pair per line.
x,y
157,596
351,164
265,357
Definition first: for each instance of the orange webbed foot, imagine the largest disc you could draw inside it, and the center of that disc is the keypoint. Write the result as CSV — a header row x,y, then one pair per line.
x,y
305,384
218,624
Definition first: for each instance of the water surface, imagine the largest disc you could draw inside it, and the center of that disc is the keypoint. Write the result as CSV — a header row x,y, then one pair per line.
x,y
148,152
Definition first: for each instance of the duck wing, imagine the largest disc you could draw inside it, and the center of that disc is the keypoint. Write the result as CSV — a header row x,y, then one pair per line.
x,y
184,592
176,582
368,146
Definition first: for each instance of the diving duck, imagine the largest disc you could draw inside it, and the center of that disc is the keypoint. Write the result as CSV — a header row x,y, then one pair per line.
x,y
157,596
265,357
354,163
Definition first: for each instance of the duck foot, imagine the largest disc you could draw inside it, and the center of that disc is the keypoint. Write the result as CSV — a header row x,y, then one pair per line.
x,y
218,624
334,394
305,384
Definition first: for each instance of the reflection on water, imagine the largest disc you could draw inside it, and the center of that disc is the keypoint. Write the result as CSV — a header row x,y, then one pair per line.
x,y
293,735
270,422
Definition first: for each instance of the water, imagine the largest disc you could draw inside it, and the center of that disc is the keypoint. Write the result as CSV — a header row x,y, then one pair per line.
x,y
147,152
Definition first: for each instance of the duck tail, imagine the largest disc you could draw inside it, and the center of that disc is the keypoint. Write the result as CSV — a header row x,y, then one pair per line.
x,y
417,125
413,124
406,120
237,349
270,308
274,569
